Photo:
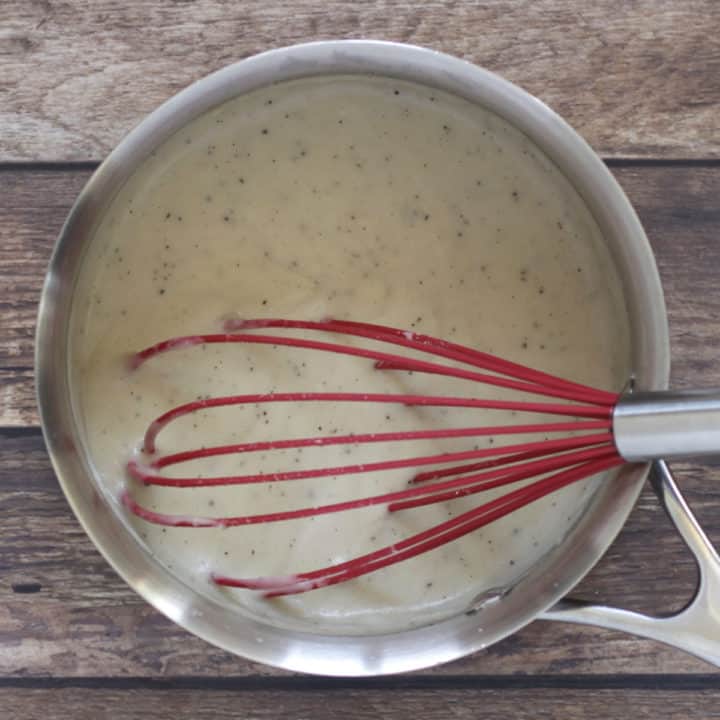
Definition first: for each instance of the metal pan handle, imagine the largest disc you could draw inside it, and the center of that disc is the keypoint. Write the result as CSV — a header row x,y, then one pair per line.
x,y
696,628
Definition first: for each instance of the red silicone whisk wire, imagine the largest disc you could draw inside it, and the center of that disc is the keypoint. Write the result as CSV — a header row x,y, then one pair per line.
x,y
421,542
556,462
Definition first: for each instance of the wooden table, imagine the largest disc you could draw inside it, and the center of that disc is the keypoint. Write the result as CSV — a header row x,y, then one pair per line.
x,y
640,80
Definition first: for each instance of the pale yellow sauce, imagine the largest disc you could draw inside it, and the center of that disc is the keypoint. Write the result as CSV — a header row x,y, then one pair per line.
x,y
358,198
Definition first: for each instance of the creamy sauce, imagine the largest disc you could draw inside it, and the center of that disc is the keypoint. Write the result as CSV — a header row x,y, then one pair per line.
x,y
358,198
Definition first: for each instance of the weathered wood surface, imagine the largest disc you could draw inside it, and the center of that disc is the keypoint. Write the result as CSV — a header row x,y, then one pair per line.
x,y
64,612
83,620
638,79
678,205
361,703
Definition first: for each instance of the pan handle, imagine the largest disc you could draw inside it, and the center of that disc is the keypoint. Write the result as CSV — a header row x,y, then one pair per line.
x,y
696,628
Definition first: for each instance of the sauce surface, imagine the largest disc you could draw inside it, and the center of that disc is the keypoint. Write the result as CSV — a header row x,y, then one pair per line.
x,y
357,198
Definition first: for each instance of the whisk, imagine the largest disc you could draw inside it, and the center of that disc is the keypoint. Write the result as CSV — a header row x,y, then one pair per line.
x,y
608,430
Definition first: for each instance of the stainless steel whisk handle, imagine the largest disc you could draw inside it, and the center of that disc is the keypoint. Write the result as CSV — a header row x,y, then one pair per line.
x,y
668,424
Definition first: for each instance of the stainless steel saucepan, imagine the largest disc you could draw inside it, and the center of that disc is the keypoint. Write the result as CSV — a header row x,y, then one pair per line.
x,y
540,593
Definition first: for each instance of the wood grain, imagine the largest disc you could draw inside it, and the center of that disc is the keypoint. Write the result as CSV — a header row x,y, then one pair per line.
x,y
64,612
678,206
638,79
359,703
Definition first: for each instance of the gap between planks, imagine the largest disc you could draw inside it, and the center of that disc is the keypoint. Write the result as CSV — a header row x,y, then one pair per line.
x,y
313,683
613,162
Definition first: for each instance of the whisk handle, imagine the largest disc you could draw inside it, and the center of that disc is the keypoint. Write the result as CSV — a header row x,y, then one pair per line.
x,y
668,425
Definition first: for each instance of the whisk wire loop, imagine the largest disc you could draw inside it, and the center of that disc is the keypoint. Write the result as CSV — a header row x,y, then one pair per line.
x,y
545,466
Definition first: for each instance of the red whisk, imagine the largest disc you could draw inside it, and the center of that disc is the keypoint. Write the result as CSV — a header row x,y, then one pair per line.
x,y
614,429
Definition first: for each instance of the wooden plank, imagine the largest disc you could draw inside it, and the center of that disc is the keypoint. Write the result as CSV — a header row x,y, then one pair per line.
x,y
681,218
17,395
678,206
638,79
359,703
32,210
63,611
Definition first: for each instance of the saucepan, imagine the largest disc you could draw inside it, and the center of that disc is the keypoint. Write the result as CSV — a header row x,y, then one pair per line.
x,y
538,594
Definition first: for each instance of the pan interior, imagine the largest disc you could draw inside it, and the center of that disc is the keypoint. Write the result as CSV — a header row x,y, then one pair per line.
x,y
357,197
